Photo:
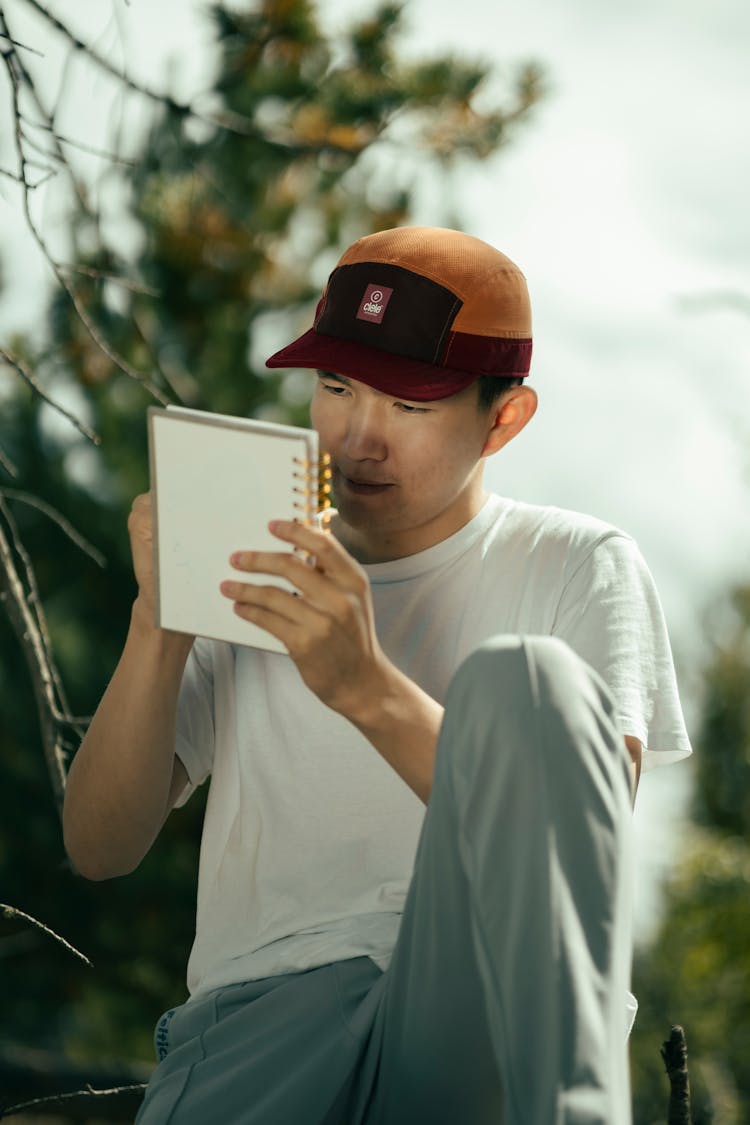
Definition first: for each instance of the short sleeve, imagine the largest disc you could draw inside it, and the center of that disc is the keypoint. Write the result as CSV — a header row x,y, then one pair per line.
x,y
194,742
610,614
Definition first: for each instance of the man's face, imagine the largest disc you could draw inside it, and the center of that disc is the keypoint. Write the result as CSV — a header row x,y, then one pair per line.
x,y
406,475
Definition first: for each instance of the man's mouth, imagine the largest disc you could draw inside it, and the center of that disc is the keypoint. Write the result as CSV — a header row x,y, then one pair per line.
x,y
362,486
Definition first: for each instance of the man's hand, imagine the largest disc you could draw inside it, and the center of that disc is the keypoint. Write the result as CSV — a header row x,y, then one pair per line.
x,y
327,624
329,628
140,530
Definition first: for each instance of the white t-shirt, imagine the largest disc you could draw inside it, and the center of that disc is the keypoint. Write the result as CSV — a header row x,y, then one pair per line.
x,y
309,838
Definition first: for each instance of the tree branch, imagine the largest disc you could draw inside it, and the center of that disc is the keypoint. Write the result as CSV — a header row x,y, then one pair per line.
x,y
30,378
23,606
12,913
56,517
674,1054
17,74
232,122
56,1099
23,46
7,464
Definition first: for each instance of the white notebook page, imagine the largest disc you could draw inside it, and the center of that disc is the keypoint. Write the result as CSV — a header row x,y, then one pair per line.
x,y
216,482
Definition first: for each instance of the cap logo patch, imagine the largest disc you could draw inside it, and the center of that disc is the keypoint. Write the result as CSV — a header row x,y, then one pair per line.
x,y
374,303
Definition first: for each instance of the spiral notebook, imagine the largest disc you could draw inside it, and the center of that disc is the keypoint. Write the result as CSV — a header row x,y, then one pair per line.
x,y
216,481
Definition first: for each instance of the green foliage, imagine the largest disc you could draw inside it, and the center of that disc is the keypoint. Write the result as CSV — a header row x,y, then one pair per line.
x,y
722,795
237,226
697,973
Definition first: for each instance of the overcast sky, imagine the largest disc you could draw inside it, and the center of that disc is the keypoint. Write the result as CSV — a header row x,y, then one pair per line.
x,y
624,201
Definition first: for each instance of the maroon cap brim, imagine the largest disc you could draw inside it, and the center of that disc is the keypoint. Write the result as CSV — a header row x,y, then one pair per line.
x,y
395,375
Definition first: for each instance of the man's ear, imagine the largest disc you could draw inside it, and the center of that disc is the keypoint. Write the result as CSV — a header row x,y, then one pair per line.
x,y
512,413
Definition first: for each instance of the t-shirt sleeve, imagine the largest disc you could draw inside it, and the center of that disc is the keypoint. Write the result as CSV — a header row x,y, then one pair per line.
x,y
610,614
194,742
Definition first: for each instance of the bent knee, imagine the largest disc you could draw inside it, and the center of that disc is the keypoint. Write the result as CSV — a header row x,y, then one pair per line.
x,y
509,676
512,662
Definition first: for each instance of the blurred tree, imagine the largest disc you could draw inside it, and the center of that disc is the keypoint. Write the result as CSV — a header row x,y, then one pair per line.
x,y
235,219
697,971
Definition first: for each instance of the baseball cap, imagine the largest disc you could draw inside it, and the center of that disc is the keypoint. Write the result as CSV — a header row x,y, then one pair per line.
x,y
418,312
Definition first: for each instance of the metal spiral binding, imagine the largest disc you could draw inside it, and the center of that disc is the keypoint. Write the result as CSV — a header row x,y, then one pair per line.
x,y
325,475
314,500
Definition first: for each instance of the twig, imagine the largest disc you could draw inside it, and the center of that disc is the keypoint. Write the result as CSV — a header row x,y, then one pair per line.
x,y
101,275
674,1053
56,517
50,172
37,146
23,46
28,377
60,713
26,617
7,464
93,150
29,82
10,58
87,1092
12,913
232,122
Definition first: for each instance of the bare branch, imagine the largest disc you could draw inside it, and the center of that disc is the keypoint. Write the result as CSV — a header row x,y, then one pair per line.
x,y
93,150
101,275
13,913
232,122
23,46
60,712
56,517
13,596
37,147
24,609
10,175
7,464
16,75
674,1054
88,1092
30,378
31,187
25,76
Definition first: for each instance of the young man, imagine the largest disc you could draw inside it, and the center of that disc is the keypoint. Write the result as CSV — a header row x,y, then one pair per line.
x,y
360,959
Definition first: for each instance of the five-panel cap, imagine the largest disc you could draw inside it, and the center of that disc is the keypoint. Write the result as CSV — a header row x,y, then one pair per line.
x,y
419,312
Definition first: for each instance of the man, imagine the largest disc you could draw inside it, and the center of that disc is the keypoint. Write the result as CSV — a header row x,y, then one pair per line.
x,y
358,961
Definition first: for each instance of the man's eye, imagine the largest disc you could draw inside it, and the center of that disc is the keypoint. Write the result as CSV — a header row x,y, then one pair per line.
x,y
407,408
334,388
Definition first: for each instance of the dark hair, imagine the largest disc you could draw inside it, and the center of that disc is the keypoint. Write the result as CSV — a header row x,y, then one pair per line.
x,y
491,387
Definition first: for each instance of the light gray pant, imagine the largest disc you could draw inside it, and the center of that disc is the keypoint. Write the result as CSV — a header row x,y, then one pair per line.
x,y
504,1003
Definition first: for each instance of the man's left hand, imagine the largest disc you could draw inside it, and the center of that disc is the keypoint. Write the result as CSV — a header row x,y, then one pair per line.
x,y
328,625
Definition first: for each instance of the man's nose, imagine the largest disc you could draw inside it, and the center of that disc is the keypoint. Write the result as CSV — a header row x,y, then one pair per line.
x,y
366,433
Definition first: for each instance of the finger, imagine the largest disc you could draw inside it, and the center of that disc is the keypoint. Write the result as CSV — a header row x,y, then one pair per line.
x,y
335,591
321,602
272,599
330,556
304,577
283,629
140,509
292,620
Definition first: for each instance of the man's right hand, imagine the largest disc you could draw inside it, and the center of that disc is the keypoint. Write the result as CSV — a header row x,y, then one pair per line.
x,y
126,776
140,529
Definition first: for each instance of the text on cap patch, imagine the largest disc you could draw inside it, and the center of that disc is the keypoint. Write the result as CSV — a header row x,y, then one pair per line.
x,y
374,303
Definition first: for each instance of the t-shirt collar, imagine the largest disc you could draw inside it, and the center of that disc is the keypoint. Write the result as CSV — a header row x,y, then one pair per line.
x,y
398,570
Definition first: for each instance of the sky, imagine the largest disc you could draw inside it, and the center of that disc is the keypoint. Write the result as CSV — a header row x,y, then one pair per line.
x,y
624,201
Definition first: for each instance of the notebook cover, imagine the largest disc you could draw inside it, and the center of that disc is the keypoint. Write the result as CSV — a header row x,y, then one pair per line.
x,y
216,481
